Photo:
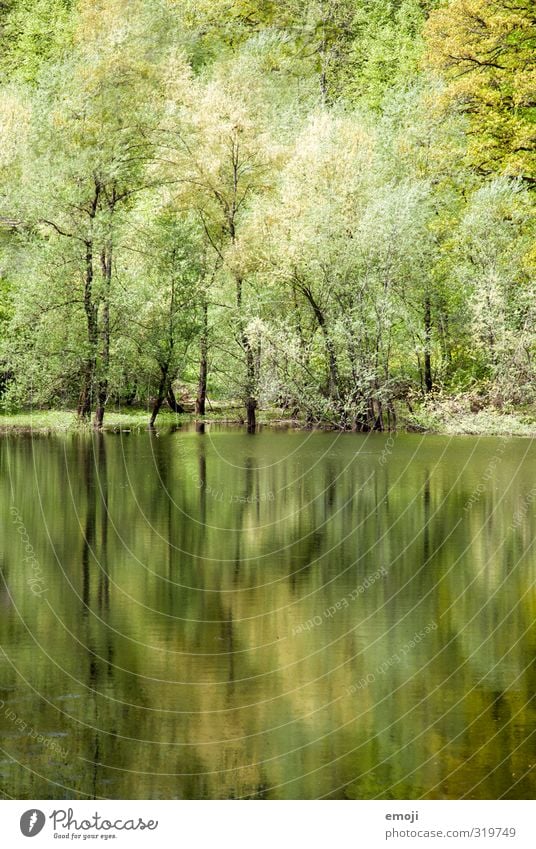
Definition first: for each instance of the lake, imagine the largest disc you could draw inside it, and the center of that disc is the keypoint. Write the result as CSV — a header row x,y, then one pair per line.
x,y
283,615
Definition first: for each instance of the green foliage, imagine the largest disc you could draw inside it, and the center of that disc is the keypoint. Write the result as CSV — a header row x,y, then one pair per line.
x,y
165,312
488,52
272,194
33,32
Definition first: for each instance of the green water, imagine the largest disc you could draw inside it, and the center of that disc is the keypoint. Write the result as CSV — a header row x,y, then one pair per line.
x,y
283,615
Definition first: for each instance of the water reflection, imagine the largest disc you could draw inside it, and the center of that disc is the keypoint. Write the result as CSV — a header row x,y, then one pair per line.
x,y
212,625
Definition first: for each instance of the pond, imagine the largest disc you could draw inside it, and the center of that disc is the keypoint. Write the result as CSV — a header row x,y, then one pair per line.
x,y
279,615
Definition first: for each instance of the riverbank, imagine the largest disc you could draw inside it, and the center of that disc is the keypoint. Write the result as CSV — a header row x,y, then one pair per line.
x,y
455,416
450,418
127,419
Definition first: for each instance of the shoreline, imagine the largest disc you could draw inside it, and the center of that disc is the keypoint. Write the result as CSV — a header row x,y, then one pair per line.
x,y
441,423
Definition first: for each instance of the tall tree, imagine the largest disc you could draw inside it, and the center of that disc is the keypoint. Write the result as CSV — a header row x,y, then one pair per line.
x,y
86,161
167,307
218,145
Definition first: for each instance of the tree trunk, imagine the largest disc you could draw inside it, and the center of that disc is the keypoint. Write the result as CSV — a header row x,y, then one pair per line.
x,y
200,402
172,401
251,408
88,374
333,370
163,389
377,416
428,382
85,399
102,389
251,401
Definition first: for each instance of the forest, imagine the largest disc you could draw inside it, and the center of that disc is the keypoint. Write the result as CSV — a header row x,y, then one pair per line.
x,y
320,207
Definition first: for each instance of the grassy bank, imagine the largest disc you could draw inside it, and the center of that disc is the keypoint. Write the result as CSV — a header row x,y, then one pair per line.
x,y
66,421
455,416
446,416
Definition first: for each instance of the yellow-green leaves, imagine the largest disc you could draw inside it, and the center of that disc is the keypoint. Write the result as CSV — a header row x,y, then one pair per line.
x,y
32,33
487,50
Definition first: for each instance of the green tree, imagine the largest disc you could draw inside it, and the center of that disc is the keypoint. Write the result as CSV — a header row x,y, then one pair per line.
x,y
167,308
85,164
493,263
487,50
33,32
218,145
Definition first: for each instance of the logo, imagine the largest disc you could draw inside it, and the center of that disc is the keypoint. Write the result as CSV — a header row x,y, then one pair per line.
x,y
32,822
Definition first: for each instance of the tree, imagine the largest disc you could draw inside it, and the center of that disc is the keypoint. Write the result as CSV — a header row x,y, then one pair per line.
x,y
487,51
347,245
218,146
167,309
494,264
316,238
86,162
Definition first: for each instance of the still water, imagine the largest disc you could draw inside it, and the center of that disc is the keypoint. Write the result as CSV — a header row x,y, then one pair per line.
x,y
279,615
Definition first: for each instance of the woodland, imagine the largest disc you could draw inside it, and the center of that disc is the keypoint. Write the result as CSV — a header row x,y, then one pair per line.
x,y
320,207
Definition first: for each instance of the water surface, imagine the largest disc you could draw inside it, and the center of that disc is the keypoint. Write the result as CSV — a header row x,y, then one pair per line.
x,y
279,615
